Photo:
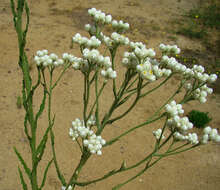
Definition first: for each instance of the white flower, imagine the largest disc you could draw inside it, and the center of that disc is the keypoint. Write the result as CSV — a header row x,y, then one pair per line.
x,y
157,134
193,138
109,73
64,188
92,11
207,130
108,19
212,78
174,109
87,27
210,134
169,49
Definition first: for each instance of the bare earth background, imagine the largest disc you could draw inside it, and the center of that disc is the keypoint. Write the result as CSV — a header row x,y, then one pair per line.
x,y
52,24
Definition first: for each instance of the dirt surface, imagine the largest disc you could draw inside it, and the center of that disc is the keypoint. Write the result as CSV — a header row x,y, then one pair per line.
x,y
52,25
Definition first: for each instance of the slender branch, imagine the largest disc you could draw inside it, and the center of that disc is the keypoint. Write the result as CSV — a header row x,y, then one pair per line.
x,y
134,128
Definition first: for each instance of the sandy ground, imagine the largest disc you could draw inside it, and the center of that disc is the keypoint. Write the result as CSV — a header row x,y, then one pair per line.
x,y
52,25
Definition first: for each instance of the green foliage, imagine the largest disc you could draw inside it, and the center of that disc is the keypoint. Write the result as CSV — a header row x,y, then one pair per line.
x,y
19,102
199,119
208,15
200,19
193,31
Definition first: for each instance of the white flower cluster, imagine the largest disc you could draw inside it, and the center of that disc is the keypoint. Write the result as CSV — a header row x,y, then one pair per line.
x,y
104,62
168,49
94,144
77,63
119,39
93,42
108,41
91,141
130,60
201,76
173,64
157,134
201,93
146,71
109,73
210,134
99,16
64,188
174,109
180,124
141,51
196,72
120,25
151,72
43,59
141,60
190,137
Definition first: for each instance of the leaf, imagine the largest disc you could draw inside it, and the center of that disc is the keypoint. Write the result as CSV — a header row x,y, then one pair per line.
x,y
26,129
59,174
123,166
117,187
22,179
109,173
42,106
45,174
27,170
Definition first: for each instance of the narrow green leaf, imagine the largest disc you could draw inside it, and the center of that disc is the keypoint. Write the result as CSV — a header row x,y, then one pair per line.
x,y
117,187
24,96
13,8
59,174
109,173
22,179
42,106
27,170
45,174
42,145
28,18
25,128
123,166
38,80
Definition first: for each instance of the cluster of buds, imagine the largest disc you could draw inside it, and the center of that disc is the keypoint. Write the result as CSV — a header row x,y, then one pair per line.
x,y
151,72
43,59
210,134
90,140
120,25
94,144
119,39
93,42
99,16
190,137
157,134
64,188
201,93
174,109
201,76
109,73
130,60
168,49
180,124
174,65
141,51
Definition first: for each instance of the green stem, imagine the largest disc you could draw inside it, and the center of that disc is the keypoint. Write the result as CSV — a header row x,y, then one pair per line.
x,y
86,95
67,65
134,128
84,158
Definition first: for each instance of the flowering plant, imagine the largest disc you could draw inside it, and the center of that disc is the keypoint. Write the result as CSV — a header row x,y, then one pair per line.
x,y
142,68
